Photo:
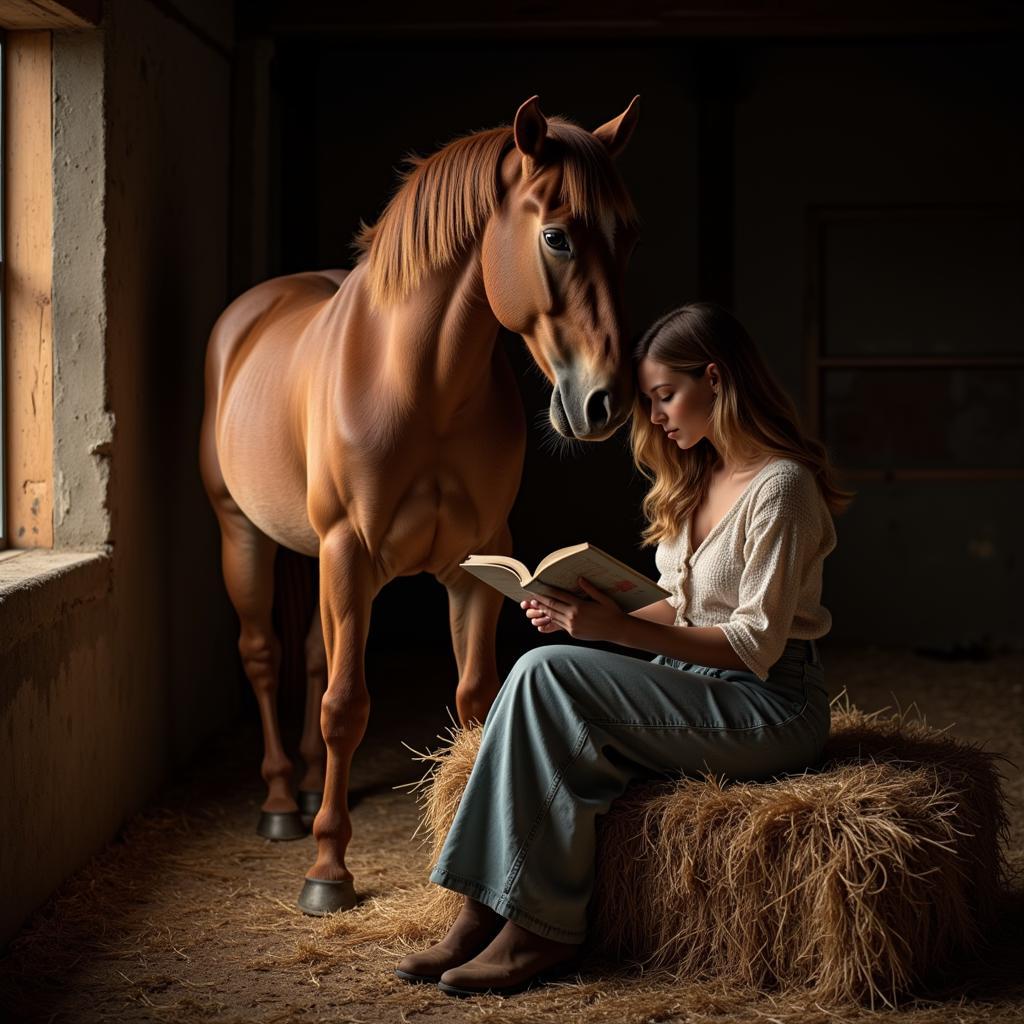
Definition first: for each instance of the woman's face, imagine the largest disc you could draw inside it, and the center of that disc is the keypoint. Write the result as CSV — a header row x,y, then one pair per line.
x,y
679,404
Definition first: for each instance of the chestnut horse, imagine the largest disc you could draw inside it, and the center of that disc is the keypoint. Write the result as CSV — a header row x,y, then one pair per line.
x,y
370,419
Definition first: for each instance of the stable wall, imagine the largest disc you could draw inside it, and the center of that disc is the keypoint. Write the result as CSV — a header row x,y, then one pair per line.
x,y
117,665
737,140
926,563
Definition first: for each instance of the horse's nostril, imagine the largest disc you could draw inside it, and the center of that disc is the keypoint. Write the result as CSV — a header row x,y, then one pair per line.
x,y
599,409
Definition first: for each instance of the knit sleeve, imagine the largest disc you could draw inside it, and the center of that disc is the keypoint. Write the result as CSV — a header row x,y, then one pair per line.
x,y
669,583
669,579
782,538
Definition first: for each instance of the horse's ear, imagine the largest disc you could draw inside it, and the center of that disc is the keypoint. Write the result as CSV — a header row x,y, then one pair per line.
x,y
616,133
530,129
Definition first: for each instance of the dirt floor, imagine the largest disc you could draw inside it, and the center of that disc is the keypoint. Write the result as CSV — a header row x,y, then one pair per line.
x,y
189,916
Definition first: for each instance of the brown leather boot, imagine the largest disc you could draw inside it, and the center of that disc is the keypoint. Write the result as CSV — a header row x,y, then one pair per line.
x,y
515,961
474,928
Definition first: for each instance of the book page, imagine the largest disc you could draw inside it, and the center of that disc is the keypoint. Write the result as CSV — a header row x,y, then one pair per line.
x,y
555,556
501,577
522,573
627,587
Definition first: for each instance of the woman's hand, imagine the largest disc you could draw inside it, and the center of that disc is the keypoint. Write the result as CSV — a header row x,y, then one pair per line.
x,y
596,617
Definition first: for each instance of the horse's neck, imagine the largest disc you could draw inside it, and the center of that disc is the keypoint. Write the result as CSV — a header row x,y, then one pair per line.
x,y
440,340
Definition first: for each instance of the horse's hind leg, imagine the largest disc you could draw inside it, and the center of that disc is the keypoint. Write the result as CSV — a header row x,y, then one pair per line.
x,y
247,558
312,747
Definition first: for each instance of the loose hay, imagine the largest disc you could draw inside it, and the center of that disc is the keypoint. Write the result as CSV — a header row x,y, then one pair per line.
x,y
855,881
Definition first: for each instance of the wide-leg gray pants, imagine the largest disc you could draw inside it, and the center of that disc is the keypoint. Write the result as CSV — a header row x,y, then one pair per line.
x,y
572,726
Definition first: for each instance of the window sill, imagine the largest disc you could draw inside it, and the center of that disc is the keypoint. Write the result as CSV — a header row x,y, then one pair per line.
x,y
39,586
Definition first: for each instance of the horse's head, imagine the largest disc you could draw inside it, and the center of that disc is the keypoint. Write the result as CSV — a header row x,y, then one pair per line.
x,y
554,255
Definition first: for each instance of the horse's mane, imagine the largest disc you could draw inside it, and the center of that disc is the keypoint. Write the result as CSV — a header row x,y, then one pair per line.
x,y
444,199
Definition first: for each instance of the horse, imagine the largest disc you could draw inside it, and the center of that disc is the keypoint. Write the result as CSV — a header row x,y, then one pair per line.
x,y
370,419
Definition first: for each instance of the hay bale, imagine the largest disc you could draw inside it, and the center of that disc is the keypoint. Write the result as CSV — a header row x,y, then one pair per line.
x,y
853,881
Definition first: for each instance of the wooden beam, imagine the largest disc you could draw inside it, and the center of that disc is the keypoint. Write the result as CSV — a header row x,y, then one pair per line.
x,y
612,19
45,14
28,276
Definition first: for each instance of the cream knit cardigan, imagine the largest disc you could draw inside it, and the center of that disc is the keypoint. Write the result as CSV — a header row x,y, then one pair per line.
x,y
757,575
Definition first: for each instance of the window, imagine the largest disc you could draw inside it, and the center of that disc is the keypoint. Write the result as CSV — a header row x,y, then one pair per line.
x,y
915,358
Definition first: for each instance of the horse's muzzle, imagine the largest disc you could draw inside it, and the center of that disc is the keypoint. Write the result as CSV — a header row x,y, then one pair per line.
x,y
593,419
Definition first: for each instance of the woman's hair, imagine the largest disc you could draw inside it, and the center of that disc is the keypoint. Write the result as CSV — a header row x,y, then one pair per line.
x,y
752,417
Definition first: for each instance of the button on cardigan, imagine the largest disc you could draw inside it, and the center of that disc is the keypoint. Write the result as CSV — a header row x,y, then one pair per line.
x,y
757,575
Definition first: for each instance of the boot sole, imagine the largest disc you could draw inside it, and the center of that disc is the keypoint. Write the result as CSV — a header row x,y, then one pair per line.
x,y
511,990
552,974
418,979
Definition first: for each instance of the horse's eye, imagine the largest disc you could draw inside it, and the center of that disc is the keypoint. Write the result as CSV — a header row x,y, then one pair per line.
x,y
556,240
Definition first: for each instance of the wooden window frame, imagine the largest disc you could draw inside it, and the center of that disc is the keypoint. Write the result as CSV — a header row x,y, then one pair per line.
x,y
28,289
26,266
817,363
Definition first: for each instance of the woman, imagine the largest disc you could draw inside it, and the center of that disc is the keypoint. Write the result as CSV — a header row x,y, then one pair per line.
x,y
741,507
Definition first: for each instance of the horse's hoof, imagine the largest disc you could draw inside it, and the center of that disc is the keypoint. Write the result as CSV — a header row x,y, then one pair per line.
x,y
320,897
281,825
309,803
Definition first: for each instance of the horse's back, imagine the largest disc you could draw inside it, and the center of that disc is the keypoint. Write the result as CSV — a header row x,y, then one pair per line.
x,y
251,313
252,448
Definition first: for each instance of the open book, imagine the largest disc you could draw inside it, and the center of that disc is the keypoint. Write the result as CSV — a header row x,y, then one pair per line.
x,y
627,587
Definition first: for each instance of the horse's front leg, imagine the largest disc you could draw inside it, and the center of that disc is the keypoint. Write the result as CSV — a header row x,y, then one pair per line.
x,y
348,583
473,609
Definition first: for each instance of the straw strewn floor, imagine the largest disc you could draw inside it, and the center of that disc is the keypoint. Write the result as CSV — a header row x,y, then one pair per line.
x,y
190,917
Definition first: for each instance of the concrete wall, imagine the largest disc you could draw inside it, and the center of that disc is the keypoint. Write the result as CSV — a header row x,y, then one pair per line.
x,y
114,668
